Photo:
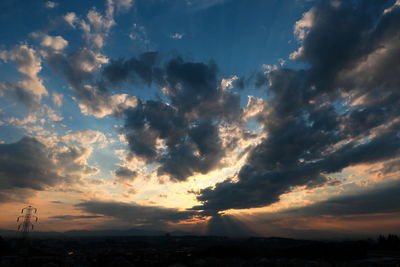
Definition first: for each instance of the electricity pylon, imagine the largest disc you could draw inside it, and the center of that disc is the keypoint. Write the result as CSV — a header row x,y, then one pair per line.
x,y
27,216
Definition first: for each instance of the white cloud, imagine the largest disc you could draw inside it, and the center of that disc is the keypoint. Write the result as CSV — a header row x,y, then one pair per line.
x,y
390,9
72,162
41,115
99,22
54,42
25,58
123,5
269,68
71,19
228,83
176,36
254,107
29,64
50,4
97,26
22,122
86,137
57,99
50,114
301,29
87,60
304,24
107,105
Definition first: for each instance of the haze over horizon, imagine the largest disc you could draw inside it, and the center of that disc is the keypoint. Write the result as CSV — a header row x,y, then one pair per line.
x,y
226,117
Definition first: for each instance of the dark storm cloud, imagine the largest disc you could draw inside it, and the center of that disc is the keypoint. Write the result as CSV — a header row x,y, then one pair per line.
x,y
192,87
259,189
135,213
333,40
182,160
197,104
69,65
363,203
188,125
380,200
152,120
241,82
194,90
124,173
190,147
56,202
144,68
28,166
25,165
392,166
312,130
16,194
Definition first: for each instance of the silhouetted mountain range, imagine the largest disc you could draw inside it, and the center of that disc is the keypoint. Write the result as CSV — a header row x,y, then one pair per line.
x,y
90,233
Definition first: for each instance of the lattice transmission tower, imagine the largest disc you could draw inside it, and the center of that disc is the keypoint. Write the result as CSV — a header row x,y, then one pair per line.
x,y
27,217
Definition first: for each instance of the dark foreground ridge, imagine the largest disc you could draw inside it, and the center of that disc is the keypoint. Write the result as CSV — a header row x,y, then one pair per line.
x,y
180,251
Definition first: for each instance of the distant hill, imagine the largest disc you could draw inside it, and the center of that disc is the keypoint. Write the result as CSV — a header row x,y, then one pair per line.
x,y
112,232
94,233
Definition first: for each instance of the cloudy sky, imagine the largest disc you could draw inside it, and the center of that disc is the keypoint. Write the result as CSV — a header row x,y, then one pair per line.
x,y
274,118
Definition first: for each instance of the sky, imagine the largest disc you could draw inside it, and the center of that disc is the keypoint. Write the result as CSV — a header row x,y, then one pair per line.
x,y
214,117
